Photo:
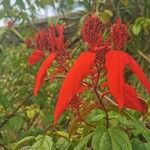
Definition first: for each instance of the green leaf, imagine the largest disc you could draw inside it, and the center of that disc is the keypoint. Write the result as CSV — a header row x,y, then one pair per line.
x,y
119,118
2,13
15,123
105,15
125,2
83,142
144,131
138,145
63,144
111,139
96,115
6,5
42,143
147,145
20,3
136,29
24,141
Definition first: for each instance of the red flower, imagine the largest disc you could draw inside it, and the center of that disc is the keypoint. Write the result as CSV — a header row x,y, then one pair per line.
x,y
116,61
72,82
42,72
97,60
55,39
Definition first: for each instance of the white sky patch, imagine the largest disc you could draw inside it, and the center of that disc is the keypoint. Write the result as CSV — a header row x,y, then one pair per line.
x,y
41,13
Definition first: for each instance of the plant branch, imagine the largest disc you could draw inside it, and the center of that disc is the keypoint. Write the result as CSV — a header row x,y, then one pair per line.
x,y
144,56
18,34
103,106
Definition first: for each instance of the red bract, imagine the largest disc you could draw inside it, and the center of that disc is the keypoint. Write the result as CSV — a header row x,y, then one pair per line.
x,y
119,35
116,61
72,82
37,54
132,101
92,31
35,57
42,72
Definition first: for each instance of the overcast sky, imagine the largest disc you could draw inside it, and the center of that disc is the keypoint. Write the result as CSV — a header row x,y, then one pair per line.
x,y
41,13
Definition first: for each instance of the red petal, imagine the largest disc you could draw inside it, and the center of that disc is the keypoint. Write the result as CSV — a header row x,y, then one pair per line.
x,y
139,72
116,62
71,84
35,57
132,101
115,65
42,72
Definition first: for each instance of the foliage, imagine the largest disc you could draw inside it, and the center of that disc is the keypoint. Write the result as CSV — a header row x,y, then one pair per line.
x,y
26,122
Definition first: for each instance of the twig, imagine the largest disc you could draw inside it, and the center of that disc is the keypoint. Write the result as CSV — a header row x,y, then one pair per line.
x,y
144,56
2,146
103,106
18,34
107,98
74,42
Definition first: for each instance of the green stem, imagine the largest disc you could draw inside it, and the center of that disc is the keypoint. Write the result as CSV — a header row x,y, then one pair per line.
x,y
97,6
18,34
103,106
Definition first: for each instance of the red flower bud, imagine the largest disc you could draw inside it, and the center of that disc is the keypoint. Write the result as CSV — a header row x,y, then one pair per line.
x,y
119,34
92,31
41,40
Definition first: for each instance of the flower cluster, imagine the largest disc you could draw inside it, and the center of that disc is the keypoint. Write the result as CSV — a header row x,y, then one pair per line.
x,y
101,56
51,41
